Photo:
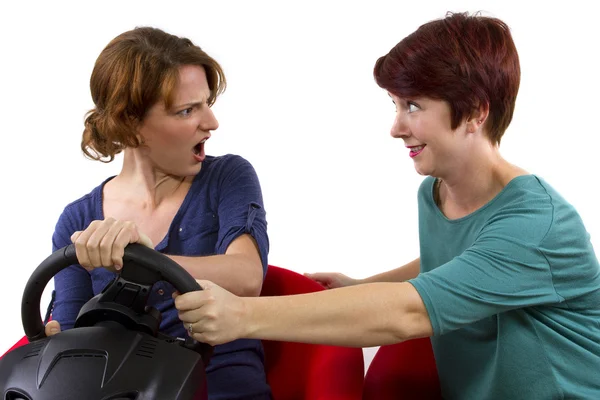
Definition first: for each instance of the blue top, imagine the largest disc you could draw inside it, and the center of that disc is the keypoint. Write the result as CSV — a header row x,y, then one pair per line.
x,y
223,202
513,294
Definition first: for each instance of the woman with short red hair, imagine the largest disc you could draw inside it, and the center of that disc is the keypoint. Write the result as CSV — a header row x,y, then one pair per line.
x,y
507,284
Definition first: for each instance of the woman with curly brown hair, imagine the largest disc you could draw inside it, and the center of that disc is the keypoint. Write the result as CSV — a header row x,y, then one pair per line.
x,y
153,93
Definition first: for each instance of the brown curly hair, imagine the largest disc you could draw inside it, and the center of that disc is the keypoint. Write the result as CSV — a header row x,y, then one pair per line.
x,y
136,70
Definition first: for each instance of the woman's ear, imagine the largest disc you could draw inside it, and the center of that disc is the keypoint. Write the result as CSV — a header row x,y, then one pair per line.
x,y
136,125
478,117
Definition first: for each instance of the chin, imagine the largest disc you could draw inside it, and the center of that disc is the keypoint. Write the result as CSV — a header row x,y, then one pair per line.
x,y
193,171
196,168
422,171
184,172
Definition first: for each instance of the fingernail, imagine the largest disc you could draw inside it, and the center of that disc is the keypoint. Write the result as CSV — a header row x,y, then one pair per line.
x,y
54,330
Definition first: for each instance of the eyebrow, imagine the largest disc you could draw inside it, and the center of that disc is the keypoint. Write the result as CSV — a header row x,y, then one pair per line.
x,y
192,104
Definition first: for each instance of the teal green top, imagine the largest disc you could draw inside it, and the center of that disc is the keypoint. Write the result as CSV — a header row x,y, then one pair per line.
x,y
513,295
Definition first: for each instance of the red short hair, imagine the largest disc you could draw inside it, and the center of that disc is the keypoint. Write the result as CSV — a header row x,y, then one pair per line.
x,y
466,60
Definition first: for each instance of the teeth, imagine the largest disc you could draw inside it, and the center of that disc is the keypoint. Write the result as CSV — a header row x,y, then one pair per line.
x,y
416,149
203,140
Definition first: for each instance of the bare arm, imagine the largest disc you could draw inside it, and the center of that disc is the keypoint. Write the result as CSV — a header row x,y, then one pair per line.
x,y
332,280
361,316
400,274
239,270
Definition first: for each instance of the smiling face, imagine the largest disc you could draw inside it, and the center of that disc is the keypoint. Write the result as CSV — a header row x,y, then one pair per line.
x,y
174,138
425,126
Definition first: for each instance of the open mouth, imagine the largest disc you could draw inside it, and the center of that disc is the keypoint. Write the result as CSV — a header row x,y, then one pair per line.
x,y
198,150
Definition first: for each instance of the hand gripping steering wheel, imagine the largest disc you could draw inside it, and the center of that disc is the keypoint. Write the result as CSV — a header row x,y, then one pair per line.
x,y
122,301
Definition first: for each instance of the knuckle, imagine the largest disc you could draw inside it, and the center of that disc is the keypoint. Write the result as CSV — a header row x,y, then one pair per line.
x,y
211,315
117,249
129,225
116,252
106,245
80,241
92,244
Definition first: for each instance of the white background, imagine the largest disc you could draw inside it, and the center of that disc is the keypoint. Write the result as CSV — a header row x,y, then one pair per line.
x,y
301,106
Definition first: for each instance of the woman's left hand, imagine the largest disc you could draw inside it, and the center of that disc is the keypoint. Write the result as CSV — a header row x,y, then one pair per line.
x,y
212,315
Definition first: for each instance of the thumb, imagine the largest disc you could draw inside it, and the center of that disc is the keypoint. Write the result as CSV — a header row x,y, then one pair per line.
x,y
313,275
318,276
204,284
52,328
145,240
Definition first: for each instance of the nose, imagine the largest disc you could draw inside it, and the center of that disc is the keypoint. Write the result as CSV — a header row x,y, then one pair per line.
x,y
208,122
400,127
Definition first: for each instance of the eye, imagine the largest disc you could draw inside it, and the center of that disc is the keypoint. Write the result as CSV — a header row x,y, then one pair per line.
x,y
412,107
186,112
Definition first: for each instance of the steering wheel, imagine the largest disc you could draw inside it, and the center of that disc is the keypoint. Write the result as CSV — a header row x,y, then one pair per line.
x,y
123,300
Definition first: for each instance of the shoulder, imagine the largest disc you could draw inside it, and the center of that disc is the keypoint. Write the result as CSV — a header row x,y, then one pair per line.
x,y
527,208
77,215
226,162
530,194
525,192
565,222
79,204
223,169
84,208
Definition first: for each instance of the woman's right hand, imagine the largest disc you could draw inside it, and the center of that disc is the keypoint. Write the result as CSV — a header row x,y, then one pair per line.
x,y
332,280
103,242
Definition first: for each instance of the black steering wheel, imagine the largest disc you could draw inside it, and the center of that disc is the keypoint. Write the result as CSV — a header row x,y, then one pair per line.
x,y
123,300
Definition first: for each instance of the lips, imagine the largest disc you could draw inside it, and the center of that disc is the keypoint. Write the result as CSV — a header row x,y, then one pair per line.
x,y
415,150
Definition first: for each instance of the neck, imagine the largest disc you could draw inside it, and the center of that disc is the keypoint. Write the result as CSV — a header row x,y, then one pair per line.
x,y
140,181
478,179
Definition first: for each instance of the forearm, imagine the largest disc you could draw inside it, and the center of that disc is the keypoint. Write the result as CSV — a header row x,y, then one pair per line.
x,y
73,288
358,316
400,274
234,272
